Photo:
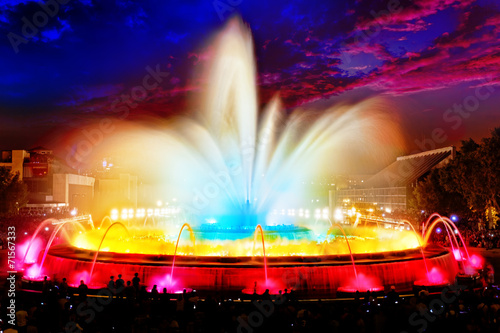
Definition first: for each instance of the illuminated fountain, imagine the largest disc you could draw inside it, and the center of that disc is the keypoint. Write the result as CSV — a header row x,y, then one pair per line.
x,y
469,265
344,258
231,167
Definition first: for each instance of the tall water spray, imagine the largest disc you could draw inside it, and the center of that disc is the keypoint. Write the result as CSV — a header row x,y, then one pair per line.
x,y
233,163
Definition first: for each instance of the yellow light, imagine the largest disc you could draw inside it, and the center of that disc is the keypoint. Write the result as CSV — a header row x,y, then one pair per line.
x,y
338,214
143,241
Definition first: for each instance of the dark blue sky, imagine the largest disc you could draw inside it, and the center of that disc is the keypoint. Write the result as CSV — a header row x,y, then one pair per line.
x,y
426,56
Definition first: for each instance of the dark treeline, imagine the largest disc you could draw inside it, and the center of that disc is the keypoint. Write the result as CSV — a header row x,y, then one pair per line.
x,y
468,186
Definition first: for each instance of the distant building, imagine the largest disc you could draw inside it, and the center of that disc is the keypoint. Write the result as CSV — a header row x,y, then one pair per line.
x,y
391,188
52,185
14,161
118,190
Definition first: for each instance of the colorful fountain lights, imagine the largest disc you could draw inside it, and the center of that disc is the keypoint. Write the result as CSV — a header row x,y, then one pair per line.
x,y
348,259
256,167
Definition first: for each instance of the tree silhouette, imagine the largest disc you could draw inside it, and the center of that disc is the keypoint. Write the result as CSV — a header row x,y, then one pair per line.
x,y
13,192
471,180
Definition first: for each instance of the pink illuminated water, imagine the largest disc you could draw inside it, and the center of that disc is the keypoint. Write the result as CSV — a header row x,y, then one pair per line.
x,y
49,243
271,286
29,250
476,261
362,283
35,234
329,277
336,225
435,277
450,222
33,271
449,225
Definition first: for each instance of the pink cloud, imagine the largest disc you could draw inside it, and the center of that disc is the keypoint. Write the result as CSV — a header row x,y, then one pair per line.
x,y
404,14
377,50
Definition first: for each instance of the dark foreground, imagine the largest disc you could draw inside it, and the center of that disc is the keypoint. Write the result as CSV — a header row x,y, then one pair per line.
x,y
451,309
456,308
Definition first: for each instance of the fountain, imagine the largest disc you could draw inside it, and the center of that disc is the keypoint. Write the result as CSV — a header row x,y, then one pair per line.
x,y
468,265
450,227
99,247
104,219
35,234
336,225
185,225
232,167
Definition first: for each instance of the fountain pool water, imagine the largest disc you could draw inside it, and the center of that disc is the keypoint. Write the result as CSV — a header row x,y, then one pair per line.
x,y
344,259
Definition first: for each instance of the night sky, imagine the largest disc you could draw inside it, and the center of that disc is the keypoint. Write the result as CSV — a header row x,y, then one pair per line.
x,y
438,62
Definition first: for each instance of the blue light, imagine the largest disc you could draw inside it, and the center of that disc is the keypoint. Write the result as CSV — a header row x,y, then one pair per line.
x,y
438,230
454,218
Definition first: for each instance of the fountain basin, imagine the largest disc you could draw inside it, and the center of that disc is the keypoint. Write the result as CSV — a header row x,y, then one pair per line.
x,y
321,274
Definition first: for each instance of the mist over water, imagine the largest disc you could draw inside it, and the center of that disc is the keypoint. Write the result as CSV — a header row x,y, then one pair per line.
x,y
234,162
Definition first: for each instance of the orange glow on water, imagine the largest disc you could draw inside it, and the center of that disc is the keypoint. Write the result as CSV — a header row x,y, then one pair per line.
x,y
162,241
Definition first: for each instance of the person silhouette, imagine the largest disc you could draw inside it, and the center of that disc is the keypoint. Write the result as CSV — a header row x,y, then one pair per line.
x,y
136,282
154,293
111,286
63,288
119,285
129,292
83,290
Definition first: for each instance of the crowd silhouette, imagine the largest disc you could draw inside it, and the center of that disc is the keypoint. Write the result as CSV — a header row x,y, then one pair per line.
x,y
127,306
